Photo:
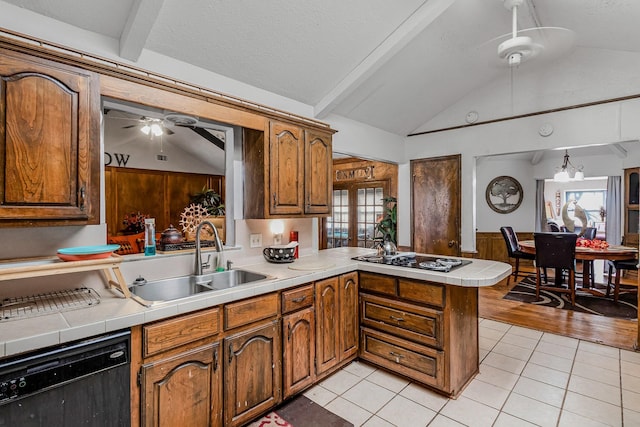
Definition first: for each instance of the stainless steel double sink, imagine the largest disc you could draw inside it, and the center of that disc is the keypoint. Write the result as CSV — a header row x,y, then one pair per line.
x,y
149,293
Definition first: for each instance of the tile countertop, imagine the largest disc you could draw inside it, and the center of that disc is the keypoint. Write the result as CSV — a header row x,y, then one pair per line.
x,y
114,312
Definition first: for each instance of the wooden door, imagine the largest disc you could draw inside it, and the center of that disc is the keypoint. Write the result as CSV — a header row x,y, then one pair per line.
x,y
49,142
435,205
299,336
348,315
317,173
286,164
183,390
327,324
356,210
253,376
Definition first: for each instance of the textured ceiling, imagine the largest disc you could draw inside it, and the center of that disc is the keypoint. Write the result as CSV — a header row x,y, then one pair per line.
x,y
394,65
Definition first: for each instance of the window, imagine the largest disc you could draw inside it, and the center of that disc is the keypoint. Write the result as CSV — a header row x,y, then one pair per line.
x,y
369,208
592,201
338,222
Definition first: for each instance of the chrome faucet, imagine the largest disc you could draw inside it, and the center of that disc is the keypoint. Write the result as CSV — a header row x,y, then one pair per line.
x,y
219,249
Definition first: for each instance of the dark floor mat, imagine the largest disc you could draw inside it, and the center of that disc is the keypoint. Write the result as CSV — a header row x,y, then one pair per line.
x,y
303,412
625,308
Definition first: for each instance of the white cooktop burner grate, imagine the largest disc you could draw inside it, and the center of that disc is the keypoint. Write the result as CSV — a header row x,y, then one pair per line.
x,y
52,302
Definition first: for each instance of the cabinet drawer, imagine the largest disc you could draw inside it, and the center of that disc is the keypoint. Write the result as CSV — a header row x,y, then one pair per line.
x,y
172,333
420,324
250,310
422,291
297,298
420,363
378,283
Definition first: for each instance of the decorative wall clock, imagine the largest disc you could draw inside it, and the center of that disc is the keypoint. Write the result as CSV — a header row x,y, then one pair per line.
x,y
504,194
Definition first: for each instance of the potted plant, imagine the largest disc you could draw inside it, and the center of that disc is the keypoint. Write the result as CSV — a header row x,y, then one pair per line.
x,y
210,200
387,226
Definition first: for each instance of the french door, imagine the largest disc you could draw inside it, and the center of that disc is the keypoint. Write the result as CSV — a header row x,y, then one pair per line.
x,y
357,208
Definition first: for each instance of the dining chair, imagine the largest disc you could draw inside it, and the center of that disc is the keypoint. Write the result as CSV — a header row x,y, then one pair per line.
x,y
590,233
558,251
619,267
513,249
587,265
553,227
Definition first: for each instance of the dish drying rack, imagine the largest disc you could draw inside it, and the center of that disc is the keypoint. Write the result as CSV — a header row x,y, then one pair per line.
x,y
51,302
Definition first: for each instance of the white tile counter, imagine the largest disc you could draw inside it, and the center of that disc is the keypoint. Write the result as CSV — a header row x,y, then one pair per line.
x,y
115,312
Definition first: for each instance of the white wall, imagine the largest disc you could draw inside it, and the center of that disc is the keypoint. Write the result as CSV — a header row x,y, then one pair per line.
x,y
522,219
600,124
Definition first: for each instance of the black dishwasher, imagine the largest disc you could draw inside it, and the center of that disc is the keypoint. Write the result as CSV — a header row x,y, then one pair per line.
x,y
84,383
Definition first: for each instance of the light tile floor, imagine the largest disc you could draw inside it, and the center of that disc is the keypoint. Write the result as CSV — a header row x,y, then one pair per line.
x,y
527,378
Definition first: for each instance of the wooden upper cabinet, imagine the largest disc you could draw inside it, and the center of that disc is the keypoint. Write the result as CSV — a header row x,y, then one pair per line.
x,y
317,172
286,164
631,206
288,175
49,143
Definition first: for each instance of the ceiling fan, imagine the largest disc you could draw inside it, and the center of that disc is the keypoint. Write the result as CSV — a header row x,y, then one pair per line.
x,y
539,43
154,126
151,126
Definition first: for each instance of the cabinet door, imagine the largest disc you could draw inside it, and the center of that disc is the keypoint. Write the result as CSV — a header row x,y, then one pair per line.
x,y
49,142
317,172
327,324
348,315
286,169
631,206
184,390
253,378
299,335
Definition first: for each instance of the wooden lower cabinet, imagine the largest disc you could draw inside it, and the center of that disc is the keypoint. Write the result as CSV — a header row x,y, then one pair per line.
x,y
336,321
420,363
230,364
422,330
252,373
298,336
185,389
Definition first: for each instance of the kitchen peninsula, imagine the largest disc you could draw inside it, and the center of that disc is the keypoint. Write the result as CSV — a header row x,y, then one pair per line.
x,y
322,311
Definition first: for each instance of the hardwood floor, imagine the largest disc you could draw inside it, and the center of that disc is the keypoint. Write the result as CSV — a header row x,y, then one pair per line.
x,y
618,333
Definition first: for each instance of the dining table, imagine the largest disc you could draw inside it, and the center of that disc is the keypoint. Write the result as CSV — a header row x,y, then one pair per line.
x,y
612,253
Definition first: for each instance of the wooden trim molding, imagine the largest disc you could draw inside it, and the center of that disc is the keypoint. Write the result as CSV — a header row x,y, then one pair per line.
x,y
19,42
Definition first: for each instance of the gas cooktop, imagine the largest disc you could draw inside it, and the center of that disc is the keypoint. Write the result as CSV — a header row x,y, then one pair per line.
x,y
411,260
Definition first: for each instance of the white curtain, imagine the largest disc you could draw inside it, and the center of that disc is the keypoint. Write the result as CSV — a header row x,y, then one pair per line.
x,y
541,212
613,229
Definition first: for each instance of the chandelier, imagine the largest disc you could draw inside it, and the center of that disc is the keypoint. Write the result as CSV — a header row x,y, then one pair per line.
x,y
569,172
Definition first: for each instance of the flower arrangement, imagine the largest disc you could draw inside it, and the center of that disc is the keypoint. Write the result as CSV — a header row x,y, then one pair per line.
x,y
134,222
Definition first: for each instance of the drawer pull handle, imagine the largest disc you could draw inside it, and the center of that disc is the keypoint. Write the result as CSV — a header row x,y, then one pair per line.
x,y
397,356
397,319
299,299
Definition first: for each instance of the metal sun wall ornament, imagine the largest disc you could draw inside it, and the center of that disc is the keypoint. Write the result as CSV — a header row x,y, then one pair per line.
x,y
504,194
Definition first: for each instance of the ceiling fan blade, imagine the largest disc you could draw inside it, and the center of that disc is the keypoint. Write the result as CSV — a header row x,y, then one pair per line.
x,y
130,126
167,130
548,43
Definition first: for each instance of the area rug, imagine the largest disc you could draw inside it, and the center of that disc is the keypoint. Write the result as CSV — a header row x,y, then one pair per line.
x,y
625,308
300,412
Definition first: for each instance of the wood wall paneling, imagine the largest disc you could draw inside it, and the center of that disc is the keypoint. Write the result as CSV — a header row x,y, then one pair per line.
x,y
160,194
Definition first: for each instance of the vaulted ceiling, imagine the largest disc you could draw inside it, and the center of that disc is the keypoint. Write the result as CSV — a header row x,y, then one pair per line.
x,y
395,65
